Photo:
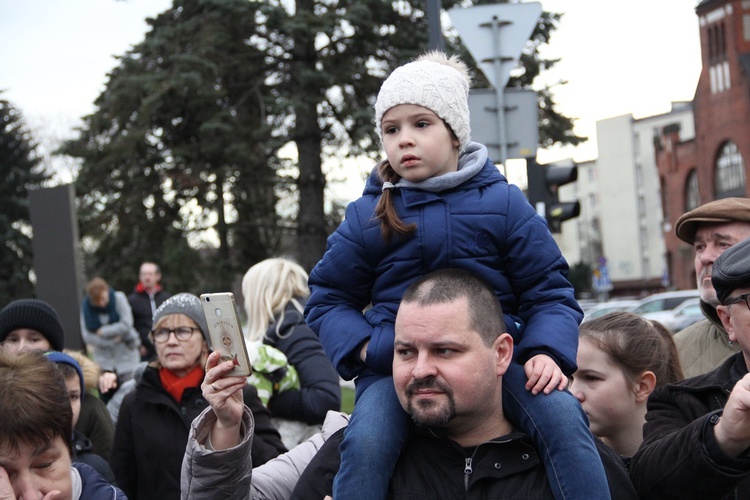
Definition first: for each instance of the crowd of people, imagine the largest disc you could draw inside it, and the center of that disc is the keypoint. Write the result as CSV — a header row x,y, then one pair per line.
x,y
445,298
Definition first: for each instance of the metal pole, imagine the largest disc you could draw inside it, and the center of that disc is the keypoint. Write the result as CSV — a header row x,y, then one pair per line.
x,y
497,62
434,31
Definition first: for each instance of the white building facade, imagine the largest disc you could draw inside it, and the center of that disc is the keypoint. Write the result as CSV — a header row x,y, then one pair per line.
x,y
621,222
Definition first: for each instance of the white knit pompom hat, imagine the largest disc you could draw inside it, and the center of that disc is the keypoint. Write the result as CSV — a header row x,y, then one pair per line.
x,y
434,81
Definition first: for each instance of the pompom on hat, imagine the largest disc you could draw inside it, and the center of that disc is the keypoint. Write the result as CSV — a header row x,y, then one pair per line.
x,y
36,315
436,82
717,211
187,304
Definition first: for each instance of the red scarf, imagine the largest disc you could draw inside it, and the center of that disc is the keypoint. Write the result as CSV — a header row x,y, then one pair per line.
x,y
175,385
142,289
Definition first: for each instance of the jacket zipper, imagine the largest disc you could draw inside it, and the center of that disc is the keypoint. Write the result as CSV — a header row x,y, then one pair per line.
x,y
467,472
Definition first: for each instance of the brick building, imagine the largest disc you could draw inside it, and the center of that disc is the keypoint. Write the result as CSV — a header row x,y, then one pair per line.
x,y
712,165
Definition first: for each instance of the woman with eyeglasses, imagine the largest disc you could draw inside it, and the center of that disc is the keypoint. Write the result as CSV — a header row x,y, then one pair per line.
x,y
154,420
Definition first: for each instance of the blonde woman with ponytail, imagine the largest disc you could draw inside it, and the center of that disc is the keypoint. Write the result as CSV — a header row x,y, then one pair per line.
x,y
274,293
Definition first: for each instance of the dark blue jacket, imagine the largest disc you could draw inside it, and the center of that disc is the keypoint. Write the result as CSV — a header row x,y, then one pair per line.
x,y
485,226
94,486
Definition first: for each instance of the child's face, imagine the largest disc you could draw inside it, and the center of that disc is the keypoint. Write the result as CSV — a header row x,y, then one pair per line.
x,y
24,339
417,143
607,396
74,393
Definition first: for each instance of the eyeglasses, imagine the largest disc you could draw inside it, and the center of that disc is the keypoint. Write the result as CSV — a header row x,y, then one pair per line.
x,y
182,333
740,298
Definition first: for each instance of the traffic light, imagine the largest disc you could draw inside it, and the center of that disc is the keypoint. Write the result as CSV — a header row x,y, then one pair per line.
x,y
544,181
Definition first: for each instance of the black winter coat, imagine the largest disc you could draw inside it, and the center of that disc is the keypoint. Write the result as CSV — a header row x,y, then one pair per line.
x,y
433,467
319,383
152,432
143,316
679,456
82,453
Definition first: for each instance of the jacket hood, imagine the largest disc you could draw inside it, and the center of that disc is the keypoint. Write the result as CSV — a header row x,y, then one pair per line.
x,y
90,369
711,315
474,152
292,318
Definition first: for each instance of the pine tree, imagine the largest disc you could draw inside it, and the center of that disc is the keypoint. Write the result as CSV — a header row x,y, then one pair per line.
x,y
179,151
19,171
185,137
332,58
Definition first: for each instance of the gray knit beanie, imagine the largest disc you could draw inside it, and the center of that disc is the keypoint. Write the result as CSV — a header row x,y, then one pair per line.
x,y
187,304
436,82
36,315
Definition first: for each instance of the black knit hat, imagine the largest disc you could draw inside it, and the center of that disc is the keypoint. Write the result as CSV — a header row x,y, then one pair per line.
x,y
731,270
35,315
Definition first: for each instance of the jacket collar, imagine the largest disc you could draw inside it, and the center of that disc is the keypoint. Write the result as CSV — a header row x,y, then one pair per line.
x,y
723,378
710,313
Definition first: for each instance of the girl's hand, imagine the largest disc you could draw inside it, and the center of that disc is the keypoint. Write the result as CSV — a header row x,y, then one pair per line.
x,y
544,375
224,393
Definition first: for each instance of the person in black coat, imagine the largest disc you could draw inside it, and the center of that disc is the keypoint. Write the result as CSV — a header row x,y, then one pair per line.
x,y
154,420
147,296
696,440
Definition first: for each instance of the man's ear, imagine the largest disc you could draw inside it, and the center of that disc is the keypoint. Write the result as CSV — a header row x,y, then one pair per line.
x,y
644,386
503,349
725,317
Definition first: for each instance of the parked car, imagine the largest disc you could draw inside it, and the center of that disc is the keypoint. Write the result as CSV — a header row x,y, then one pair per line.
x,y
680,317
603,308
665,301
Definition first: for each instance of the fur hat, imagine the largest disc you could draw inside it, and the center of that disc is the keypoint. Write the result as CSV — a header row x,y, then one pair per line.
x,y
731,270
436,82
60,357
725,210
33,314
187,304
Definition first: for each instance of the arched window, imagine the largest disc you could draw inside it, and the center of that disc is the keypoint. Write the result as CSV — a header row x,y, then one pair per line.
x,y
730,172
692,198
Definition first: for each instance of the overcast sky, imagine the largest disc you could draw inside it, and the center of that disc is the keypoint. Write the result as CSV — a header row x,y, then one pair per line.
x,y
617,57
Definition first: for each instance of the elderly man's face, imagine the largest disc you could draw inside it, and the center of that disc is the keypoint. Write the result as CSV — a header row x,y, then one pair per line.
x,y
445,376
736,321
711,240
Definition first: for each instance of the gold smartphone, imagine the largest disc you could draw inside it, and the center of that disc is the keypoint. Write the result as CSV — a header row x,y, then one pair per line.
x,y
224,331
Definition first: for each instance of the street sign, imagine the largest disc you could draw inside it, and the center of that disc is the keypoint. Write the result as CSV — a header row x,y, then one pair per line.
x,y
496,32
521,107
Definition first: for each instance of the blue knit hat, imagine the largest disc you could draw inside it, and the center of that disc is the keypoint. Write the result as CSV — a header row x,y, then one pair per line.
x,y
60,357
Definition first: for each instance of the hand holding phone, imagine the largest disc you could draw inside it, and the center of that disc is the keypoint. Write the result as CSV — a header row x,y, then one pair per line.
x,y
224,331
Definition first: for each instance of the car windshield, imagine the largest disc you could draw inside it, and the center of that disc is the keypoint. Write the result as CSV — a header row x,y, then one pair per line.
x,y
652,306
